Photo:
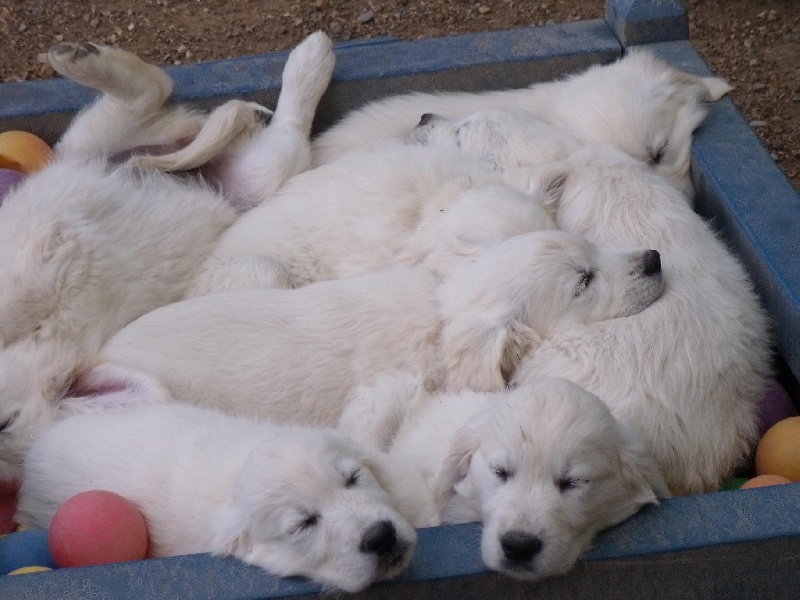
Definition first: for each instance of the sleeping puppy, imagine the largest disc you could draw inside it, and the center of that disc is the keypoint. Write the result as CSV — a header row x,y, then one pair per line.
x,y
300,352
637,104
294,501
407,204
545,466
89,245
690,372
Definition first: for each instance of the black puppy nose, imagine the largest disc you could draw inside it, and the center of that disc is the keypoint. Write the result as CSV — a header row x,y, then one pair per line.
x,y
652,262
425,119
379,539
519,546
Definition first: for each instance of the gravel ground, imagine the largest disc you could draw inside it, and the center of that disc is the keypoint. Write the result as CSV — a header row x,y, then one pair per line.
x,y
753,43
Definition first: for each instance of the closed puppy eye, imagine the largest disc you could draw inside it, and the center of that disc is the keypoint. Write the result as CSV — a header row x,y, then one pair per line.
x,y
586,278
656,156
502,473
565,484
307,523
352,478
7,423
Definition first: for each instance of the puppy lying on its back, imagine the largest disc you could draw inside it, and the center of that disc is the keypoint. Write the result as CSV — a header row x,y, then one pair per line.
x,y
90,245
544,466
294,501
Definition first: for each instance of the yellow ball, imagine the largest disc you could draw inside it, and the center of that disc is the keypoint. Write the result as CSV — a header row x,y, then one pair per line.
x,y
23,151
778,452
764,481
26,570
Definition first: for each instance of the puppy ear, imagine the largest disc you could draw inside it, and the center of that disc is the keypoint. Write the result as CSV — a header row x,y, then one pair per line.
x,y
110,386
639,468
230,537
481,355
710,89
554,179
454,469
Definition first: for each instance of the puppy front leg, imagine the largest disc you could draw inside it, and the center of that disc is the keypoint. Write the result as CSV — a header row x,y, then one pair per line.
x,y
283,149
376,412
130,112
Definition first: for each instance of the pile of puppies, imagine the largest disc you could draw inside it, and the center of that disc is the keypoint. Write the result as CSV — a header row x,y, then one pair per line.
x,y
411,321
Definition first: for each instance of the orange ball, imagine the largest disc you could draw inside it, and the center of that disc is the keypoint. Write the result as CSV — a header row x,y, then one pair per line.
x,y
23,151
778,452
763,481
95,528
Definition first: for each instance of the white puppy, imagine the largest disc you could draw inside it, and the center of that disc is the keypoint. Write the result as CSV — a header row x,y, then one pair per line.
x,y
689,372
295,355
544,466
294,501
89,245
638,104
405,204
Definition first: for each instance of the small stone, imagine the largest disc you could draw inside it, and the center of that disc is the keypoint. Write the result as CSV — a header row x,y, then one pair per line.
x,y
335,28
484,10
59,38
188,54
131,26
182,49
94,22
759,87
366,16
753,62
796,98
22,27
756,124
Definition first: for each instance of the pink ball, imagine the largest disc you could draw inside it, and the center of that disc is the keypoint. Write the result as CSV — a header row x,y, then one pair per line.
x,y
95,528
775,406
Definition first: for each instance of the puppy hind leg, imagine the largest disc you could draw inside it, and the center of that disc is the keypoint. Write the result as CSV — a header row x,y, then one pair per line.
x,y
131,110
283,148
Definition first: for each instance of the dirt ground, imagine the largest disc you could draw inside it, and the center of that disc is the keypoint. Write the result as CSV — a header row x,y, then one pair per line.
x,y
755,44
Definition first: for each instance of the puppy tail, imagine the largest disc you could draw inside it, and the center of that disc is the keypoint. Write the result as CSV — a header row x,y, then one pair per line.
x,y
223,127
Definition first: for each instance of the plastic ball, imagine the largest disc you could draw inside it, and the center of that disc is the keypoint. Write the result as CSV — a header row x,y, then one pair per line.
x,y
775,406
764,480
8,505
27,570
23,151
778,452
97,527
23,549
8,179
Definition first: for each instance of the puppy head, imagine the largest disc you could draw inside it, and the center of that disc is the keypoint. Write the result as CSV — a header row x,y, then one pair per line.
x,y
41,382
307,504
38,263
545,468
503,138
527,287
643,107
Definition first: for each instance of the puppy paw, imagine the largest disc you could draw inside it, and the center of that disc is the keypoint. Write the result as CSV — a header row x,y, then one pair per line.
x,y
305,78
116,72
